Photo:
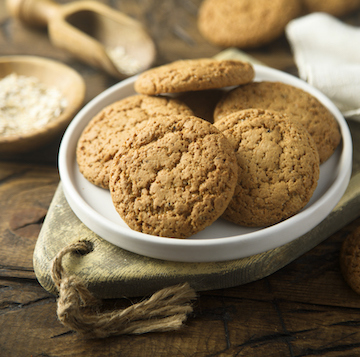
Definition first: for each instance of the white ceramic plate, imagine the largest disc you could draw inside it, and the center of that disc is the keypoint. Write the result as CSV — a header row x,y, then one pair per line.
x,y
222,240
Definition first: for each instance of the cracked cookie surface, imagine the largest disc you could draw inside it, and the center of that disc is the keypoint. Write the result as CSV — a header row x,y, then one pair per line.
x,y
194,75
173,177
278,166
349,260
295,102
102,136
245,23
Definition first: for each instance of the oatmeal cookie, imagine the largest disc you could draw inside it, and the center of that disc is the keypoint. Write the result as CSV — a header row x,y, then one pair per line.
x,y
102,136
278,166
349,260
194,75
245,23
173,177
295,102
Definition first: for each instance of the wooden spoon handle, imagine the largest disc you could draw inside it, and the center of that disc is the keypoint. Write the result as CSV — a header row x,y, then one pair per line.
x,y
33,12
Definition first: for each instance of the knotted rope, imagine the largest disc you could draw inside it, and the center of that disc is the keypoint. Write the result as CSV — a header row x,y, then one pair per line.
x,y
78,309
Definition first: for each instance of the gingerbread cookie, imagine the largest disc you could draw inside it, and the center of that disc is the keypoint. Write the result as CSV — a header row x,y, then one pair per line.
x,y
349,260
194,75
333,7
102,136
173,177
284,98
278,166
245,23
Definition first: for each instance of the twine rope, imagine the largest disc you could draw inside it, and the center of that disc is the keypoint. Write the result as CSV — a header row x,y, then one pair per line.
x,y
78,309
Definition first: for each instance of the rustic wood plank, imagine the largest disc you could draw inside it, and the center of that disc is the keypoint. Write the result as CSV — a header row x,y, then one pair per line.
x,y
336,329
256,319
26,192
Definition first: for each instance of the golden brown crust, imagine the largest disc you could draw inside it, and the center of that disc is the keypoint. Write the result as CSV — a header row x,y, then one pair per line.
x,y
103,135
245,23
194,75
349,260
284,98
173,177
278,166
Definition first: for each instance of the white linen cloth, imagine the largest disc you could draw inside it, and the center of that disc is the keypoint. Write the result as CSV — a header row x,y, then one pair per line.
x,y
327,54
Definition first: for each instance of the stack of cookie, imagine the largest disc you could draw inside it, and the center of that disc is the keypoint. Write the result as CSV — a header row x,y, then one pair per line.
x,y
173,169
253,23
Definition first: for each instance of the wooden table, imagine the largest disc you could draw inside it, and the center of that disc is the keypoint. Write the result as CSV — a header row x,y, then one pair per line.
x,y
306,308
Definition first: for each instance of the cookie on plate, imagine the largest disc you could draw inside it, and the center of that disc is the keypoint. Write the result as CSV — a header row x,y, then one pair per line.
x,y
278,166
333,7
295,102
350,260
194,75
245,23
102,136
173,177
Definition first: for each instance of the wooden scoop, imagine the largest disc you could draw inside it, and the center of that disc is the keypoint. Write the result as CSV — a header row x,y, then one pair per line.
x,y
92,32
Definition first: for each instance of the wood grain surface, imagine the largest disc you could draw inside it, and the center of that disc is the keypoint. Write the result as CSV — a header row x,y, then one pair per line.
x,y
303,309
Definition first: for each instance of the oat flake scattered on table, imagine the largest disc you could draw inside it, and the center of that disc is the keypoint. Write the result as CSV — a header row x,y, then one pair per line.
x,y
27,104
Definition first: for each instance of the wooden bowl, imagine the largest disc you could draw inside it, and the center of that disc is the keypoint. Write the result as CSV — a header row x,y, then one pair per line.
x,y
52,74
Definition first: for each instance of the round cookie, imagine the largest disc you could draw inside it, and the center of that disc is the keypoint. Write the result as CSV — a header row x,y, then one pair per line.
x,y
349,260
284,98
245,23
333,7
278,166
194,75
103,135
173,177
